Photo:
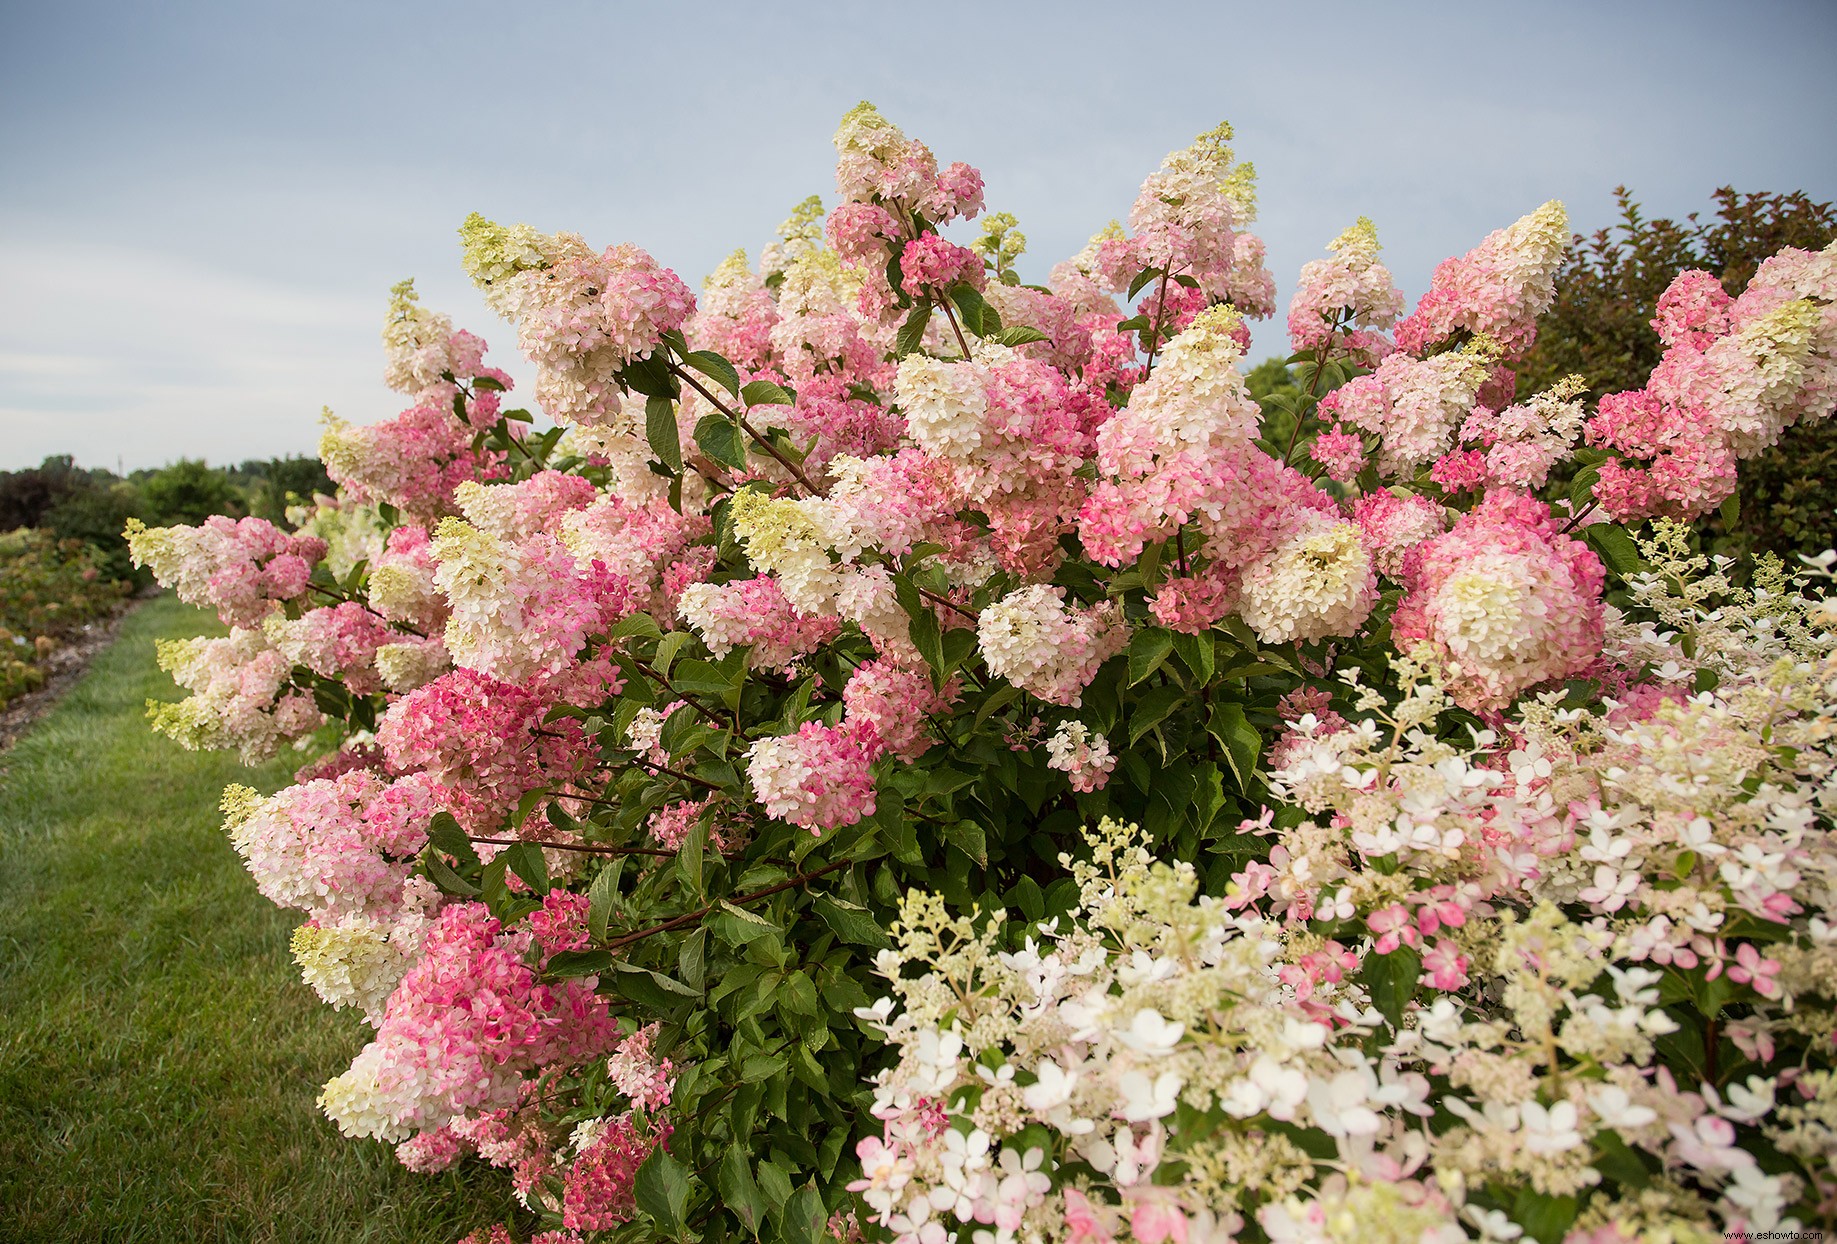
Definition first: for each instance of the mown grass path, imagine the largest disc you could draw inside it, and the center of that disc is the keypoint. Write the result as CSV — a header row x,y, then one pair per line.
x,y
158,1055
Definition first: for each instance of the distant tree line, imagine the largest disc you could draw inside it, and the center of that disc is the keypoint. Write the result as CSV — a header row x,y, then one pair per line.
x,y
94,504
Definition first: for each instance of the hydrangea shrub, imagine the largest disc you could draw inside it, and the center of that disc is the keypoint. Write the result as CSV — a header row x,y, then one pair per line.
x,y
917,755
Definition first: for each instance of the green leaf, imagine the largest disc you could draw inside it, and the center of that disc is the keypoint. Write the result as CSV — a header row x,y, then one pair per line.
x,y
804,1219
1615,546
1546,1219
1242,744
525,806
722,440
691,959
1616,1159
1142,280
444,832
650,376
1153,710
851,922
1392,981
637,624
929,640
1019,335
971,306
912,332
568,963
651,989
1582,488
774,1183
967,836
660,431
796,995
1196,653
1148,648
690,855
441,874
488,382
734,1181
1731,510
667,649
737,926
715,368
601,895
765,393
527,861
662,1189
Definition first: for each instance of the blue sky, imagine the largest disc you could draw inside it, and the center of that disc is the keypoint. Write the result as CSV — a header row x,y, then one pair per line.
x,y
202,206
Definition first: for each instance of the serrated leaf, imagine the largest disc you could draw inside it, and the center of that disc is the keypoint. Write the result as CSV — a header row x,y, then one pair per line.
x,y
803,1219
1545,1218
970,306
1142,280
722,440
796,994
766,393
660,431
851,922
444,832
651,989
1582,488
441,874
601,896
1615,546
928,638
667,649
662,1190
1392,979
1242,744
912,332
525,806
715,368
967,837
739,1191
1196,654
527,861
1152,710
692,853
570,963
635,625
1148,648
1019,335
774,1184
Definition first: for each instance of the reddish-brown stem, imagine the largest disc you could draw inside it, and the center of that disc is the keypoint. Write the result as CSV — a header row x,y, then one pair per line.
x,y
642,763
1320,362
707,712
935,599
690,917
962,341
1154,328
584,848
796,471
1581,514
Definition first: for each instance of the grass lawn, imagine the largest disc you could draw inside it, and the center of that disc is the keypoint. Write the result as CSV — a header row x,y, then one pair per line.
x,y
159,1056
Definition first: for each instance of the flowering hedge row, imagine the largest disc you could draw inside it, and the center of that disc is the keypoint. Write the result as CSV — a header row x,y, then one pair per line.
x,y
50,589
919,755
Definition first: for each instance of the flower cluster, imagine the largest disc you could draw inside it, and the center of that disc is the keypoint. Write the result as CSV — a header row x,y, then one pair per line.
x,y
1736,373
242,568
